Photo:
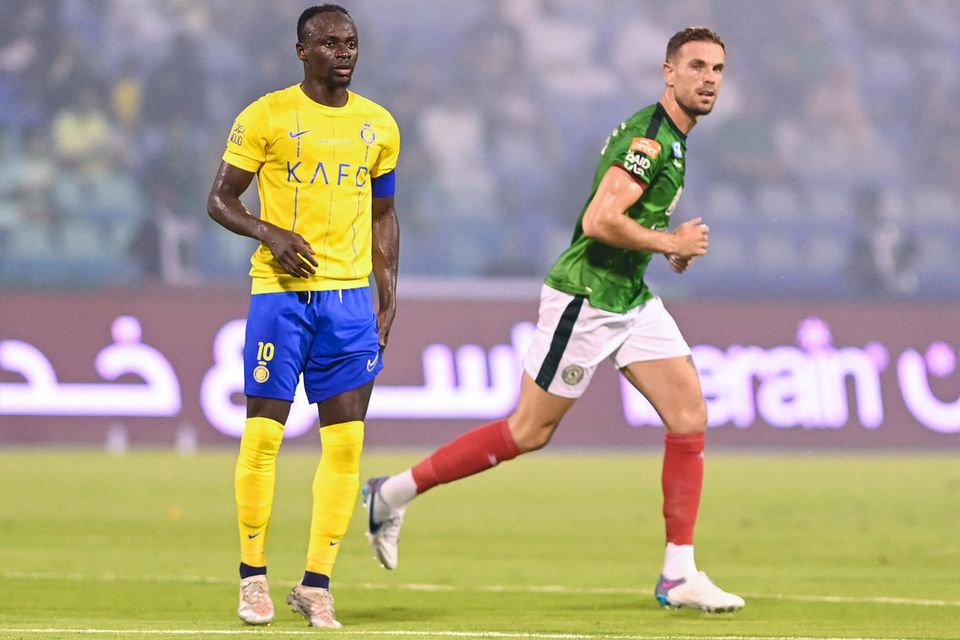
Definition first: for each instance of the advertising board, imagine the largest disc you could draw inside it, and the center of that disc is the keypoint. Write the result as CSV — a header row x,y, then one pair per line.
x,y
793,375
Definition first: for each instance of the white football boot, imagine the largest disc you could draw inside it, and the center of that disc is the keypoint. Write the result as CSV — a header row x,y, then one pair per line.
x,y
697,592
383,533
255,606
315,604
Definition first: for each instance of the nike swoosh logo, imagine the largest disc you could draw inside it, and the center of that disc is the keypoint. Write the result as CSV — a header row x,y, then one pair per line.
x,y
299,133
334,543
670,584
372,363
251,536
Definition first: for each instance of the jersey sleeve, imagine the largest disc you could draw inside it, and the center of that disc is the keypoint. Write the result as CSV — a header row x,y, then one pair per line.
x,y
390,148
642,158
247,143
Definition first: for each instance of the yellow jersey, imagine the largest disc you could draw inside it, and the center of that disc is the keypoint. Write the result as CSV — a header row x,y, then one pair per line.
x,y
314,167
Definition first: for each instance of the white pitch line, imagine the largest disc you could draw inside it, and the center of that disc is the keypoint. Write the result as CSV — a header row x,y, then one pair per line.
x,y
483,588
920,602
414,633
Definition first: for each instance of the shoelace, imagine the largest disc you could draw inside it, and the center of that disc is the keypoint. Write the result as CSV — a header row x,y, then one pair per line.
x,y
255,593
391,528
320,605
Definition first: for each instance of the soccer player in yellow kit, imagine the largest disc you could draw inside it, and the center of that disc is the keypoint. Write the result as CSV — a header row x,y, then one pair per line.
x,y
324,159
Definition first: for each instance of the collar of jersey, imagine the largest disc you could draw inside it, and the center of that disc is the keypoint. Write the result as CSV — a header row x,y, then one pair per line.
x,y
673,124
324,107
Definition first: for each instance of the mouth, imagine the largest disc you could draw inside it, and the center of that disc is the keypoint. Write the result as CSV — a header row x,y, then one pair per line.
x,y
342,74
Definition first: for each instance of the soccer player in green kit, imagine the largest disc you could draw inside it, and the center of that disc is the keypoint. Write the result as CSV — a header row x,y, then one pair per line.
x,y
596,306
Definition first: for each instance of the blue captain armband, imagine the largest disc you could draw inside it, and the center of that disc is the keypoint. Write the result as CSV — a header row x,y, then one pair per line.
x,y
385,186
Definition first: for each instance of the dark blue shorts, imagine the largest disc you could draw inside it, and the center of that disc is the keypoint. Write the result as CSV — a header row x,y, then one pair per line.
x,y
328,336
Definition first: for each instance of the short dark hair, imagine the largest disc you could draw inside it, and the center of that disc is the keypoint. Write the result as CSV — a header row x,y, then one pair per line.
x,y
692,34
316,10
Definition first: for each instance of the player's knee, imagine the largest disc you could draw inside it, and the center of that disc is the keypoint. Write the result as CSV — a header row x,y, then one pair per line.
x,y
692,419
259,445
531,436
342,445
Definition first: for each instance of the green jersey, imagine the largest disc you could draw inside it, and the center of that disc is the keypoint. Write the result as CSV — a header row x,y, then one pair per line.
x,y
651,148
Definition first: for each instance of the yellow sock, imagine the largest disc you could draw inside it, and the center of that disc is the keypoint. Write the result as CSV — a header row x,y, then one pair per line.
x,y
255,478
335,488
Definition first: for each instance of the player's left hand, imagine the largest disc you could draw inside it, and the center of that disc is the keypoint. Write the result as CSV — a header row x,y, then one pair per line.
x,y
679,264
384,322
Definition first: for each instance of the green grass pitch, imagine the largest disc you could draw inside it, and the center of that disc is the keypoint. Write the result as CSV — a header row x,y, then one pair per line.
x,y
561,544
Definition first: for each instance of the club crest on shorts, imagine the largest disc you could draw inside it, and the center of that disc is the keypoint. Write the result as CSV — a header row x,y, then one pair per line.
x,y
572,374
261,374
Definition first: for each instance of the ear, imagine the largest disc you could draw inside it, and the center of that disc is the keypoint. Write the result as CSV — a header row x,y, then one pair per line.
x,y
301,52
668,72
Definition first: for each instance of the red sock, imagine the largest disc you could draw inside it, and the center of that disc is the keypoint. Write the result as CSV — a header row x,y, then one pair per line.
x,y
682,482
473,452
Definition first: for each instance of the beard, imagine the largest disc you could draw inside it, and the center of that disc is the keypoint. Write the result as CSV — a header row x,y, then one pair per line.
x,y
695,107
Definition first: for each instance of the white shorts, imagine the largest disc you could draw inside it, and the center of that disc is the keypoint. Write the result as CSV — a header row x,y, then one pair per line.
x,y
573,337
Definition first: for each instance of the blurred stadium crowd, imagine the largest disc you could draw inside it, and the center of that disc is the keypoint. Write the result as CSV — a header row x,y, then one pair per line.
x,y
830,167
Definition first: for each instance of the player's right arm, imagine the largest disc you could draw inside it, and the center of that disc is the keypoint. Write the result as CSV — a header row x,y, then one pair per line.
x,y
291,251
606,220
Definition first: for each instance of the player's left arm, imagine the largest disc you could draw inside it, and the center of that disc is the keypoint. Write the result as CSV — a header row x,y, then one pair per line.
x,y
386,227
385,254
679,264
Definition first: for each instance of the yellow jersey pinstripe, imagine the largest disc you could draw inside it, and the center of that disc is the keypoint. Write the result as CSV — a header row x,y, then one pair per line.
x,y
314,165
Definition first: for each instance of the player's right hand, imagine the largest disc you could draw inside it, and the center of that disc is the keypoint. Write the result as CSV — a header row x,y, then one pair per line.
x,y
693,238
292,252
